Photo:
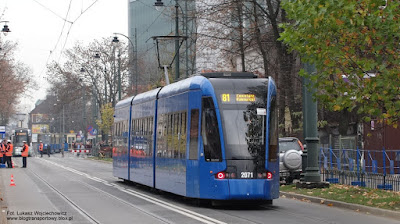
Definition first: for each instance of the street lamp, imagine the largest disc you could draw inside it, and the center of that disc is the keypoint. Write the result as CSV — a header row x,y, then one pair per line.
x,y
116,41
94,103
158,4
97,57
5,29
83,105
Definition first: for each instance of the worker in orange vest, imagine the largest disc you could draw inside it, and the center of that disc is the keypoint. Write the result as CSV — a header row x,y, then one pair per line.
x,y
24,153
9,152
2,158
41,149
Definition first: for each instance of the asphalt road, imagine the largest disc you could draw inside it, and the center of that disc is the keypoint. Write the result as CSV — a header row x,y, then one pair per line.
x,y
77,190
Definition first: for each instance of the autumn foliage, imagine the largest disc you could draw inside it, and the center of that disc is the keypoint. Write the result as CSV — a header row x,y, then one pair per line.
x,y
354,45
13,81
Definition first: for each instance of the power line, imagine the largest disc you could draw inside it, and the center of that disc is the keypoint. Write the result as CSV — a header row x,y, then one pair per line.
x,y
147,29
82,12
62,30
65,19
66,38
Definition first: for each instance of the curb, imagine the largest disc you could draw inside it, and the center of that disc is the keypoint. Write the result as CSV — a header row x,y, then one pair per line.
x,y
339,204
99,160
3,202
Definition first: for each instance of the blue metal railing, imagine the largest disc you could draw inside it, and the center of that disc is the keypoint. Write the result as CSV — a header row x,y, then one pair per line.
x,y
367,168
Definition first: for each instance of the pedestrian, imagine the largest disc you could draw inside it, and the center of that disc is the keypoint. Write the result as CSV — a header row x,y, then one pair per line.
x,y
48,150
4,147
65,148
2,156
24,153
41,148
9,152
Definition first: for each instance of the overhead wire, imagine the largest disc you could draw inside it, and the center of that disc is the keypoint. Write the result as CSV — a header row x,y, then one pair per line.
x,y
148,27
48,9
65,19
61,33
66,38
82,12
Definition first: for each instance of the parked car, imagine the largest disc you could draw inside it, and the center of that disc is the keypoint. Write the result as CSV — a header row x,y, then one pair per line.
x,y
290,151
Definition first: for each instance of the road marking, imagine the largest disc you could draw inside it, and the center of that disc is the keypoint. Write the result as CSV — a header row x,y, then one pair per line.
x,y
169,206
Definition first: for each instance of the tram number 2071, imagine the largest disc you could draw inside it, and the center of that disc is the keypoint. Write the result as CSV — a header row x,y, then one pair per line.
x,y
246,175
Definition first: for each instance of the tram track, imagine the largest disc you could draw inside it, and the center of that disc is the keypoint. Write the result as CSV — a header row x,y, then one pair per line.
x,y
81,211
297,215
161,203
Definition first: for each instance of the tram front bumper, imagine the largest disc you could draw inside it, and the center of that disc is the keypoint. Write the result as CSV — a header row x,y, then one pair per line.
x,y
252,189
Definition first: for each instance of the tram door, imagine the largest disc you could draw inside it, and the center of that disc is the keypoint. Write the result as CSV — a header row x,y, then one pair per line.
x,y
192,168
210,160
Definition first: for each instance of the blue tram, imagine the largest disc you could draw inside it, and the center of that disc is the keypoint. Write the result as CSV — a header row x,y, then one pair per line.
x,y
210,136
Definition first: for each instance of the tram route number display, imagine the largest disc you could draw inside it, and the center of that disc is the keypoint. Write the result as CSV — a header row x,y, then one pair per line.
x,y
237,98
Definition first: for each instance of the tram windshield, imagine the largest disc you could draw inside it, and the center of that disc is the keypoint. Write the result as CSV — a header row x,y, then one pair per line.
x,y
20,137
242,104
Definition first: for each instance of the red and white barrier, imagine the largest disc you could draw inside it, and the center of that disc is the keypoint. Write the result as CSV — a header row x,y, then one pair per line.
x,y
80,150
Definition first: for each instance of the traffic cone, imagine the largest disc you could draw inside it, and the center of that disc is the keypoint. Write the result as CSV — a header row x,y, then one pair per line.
x,y
12,180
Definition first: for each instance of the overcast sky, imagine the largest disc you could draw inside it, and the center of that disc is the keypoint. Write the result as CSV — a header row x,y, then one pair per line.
x,y
43,28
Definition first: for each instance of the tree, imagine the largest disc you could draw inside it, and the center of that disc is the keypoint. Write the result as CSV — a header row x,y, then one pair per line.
x,y
250,42
355,48
107,118
87,80
14,81
82,72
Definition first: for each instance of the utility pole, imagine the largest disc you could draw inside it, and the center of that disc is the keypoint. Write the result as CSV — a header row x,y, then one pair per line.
x,y
84,111
135,51
176,40
105,86
186,43
63,125
312,176
119,74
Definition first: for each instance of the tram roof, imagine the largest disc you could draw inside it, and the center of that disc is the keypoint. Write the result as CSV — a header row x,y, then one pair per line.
x,y
124,103
185,85
146,96
195,82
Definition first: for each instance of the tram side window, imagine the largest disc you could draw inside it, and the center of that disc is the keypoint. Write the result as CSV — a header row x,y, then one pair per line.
x,y
194,133
210,131
161,136
182,135
273,132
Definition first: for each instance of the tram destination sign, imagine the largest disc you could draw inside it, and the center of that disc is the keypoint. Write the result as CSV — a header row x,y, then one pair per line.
x,y
244,98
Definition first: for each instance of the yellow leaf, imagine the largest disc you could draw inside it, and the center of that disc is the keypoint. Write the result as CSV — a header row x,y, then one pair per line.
x,y
336,108
368,40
